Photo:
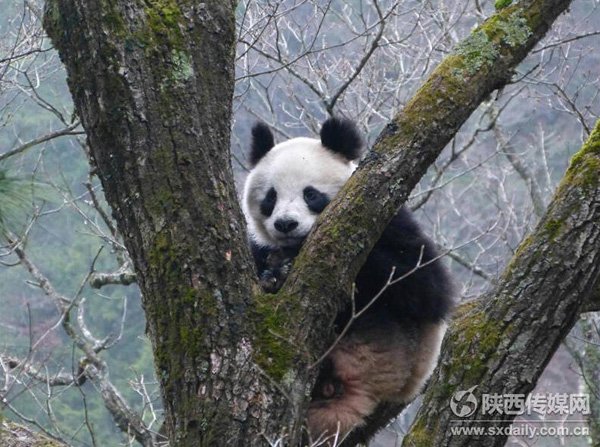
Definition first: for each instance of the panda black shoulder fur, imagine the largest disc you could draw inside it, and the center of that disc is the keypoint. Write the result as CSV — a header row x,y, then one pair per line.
x,y
391,350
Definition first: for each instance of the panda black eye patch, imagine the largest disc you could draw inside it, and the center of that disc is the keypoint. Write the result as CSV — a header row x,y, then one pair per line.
x,y
268,203
315,199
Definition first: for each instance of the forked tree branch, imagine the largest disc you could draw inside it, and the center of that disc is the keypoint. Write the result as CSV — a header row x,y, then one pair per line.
x,y
152,86
346,232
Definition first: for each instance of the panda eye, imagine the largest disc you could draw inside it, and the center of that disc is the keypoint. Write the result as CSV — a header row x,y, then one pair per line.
x,y
268,203
315,199
310,195
271,196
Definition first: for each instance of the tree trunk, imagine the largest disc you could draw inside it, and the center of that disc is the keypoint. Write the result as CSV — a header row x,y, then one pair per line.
x,y
502,343
152,82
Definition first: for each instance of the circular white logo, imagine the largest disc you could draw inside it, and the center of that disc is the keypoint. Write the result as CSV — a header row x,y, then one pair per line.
x,y
464,403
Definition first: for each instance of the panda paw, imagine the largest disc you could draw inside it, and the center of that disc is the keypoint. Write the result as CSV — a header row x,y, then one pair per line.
x,y
279,265
269,281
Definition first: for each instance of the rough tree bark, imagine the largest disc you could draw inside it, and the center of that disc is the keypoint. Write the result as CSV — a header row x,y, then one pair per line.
x,y
152,83
510,335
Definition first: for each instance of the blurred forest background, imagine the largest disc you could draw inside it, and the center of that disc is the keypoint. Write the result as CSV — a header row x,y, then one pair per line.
x,y
297,62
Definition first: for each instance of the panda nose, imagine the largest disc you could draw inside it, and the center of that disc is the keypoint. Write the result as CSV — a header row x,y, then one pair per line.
x,y
285,225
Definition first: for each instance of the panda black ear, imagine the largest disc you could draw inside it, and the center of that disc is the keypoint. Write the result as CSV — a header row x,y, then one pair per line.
x,y
262,142
342,136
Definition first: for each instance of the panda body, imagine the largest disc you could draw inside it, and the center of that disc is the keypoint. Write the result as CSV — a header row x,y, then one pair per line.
x,y
387,353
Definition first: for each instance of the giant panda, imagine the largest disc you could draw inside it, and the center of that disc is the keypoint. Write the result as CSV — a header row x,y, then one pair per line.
x,y
387,353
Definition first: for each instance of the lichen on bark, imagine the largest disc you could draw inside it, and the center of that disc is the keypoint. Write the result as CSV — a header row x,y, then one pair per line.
x,y
502,344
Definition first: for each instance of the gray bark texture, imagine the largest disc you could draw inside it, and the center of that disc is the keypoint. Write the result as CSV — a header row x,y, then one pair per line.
x,y
502,342
152,82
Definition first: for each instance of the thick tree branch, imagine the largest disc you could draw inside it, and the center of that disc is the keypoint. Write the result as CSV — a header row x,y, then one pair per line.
x,y
483,62
502,343
346,232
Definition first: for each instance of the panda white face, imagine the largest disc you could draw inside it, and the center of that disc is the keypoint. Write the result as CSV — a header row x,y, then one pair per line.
x,y
288,187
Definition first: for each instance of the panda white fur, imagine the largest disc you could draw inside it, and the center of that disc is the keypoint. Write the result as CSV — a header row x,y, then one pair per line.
x,y
390,351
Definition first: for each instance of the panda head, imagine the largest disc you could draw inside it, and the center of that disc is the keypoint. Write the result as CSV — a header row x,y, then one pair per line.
x,y
292,182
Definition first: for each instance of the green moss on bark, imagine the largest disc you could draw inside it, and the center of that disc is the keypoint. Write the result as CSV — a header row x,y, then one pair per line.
x,y
161,38
473,57
443,90
52,19
535,15
508,27
178,308
274,352
521,250
553,228
584,168
476,337
516,31
420,435
179,69
501,4
163,19
111,16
